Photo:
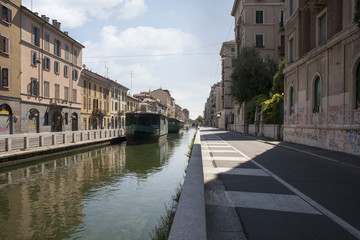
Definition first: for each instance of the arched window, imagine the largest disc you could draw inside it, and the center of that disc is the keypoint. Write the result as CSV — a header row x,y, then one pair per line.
x,y
292,97
317,95
358,87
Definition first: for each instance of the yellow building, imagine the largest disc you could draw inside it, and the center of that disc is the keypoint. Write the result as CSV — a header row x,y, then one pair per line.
x,y
95,98
10,67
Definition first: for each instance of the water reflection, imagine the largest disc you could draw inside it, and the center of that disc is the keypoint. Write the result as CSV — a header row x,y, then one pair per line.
x,y
94,194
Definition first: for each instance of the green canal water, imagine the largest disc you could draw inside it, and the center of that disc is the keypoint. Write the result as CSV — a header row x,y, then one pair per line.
x,y
112,192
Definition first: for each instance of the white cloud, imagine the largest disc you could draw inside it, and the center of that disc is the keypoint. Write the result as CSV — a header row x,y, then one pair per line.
x,y
75,13
132,8
140,50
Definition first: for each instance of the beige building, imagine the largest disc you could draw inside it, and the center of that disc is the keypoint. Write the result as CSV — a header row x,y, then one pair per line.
x,y
50,70
259,24
118,105
95,96
166,100
225,107
133,104
10,67
322,75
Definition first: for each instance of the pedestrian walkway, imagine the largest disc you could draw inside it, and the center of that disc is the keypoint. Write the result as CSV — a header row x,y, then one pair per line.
x,y
237,190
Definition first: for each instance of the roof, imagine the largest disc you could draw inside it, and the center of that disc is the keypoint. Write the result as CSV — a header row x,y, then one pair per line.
x,y
98,77
28,11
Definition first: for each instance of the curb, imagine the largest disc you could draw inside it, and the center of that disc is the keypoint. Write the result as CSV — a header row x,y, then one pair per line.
x,y
190,218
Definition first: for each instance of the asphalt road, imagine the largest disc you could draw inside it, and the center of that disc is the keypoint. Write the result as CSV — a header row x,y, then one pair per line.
x,y
279,193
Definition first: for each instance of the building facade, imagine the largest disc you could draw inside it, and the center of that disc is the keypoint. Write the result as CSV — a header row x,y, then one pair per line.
x,y
95,96
50,70
133,104
10,69
259,24
118,104
225,111
165,100
322,75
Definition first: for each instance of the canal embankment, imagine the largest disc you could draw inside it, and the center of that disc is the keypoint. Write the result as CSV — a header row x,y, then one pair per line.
x,y
21,148
190,218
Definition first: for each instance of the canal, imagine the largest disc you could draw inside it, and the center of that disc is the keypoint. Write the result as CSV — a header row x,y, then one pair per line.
x,y
111,192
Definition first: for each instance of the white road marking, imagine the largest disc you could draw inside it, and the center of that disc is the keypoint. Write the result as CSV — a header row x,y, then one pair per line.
x,y
220,151
237,171
348,227
275,202
236,159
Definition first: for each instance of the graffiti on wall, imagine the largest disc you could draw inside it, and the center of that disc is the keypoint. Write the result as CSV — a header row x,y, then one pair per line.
x,y
338,140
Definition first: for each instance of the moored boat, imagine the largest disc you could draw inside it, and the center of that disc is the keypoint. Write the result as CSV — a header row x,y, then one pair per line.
x,y
174,125
145,127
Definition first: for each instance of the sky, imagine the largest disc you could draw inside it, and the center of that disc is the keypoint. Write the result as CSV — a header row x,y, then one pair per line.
x,y
149,44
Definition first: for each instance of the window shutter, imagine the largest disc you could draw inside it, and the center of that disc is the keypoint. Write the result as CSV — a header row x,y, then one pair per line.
x,y
1,43
6,47
5,77
9,15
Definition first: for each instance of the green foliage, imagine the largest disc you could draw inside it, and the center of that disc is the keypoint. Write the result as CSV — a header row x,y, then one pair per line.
x,y
200,119
272,109
163,226
251,107
251,76
278,83
357,13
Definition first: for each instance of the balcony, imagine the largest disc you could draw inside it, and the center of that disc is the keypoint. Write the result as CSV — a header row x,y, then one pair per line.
x,y
316,4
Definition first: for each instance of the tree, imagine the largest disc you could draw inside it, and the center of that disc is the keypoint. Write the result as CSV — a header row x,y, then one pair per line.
x,y
200,119
251,76
278,83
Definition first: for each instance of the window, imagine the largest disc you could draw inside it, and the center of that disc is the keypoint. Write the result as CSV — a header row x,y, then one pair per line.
x,y
67,52
100,91
317,95
66,93
94,90
4,44
5,83
46,89
57,48
292,97
116,106
34,87
84,103
35,37
75,74
57,91
74,95
47,42
66,118
46,119
56,67
89,88
282,19
89,103
322,28
33,58
66,68
6,14
75,56
291,50
358,87
259,40
291,7
46,63
259,17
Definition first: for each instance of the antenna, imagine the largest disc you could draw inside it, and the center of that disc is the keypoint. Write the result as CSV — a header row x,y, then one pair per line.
x,y
131,77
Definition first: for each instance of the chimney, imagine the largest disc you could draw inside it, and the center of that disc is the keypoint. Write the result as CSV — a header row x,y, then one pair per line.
x,y
66,33
56,24
44,17
36,13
